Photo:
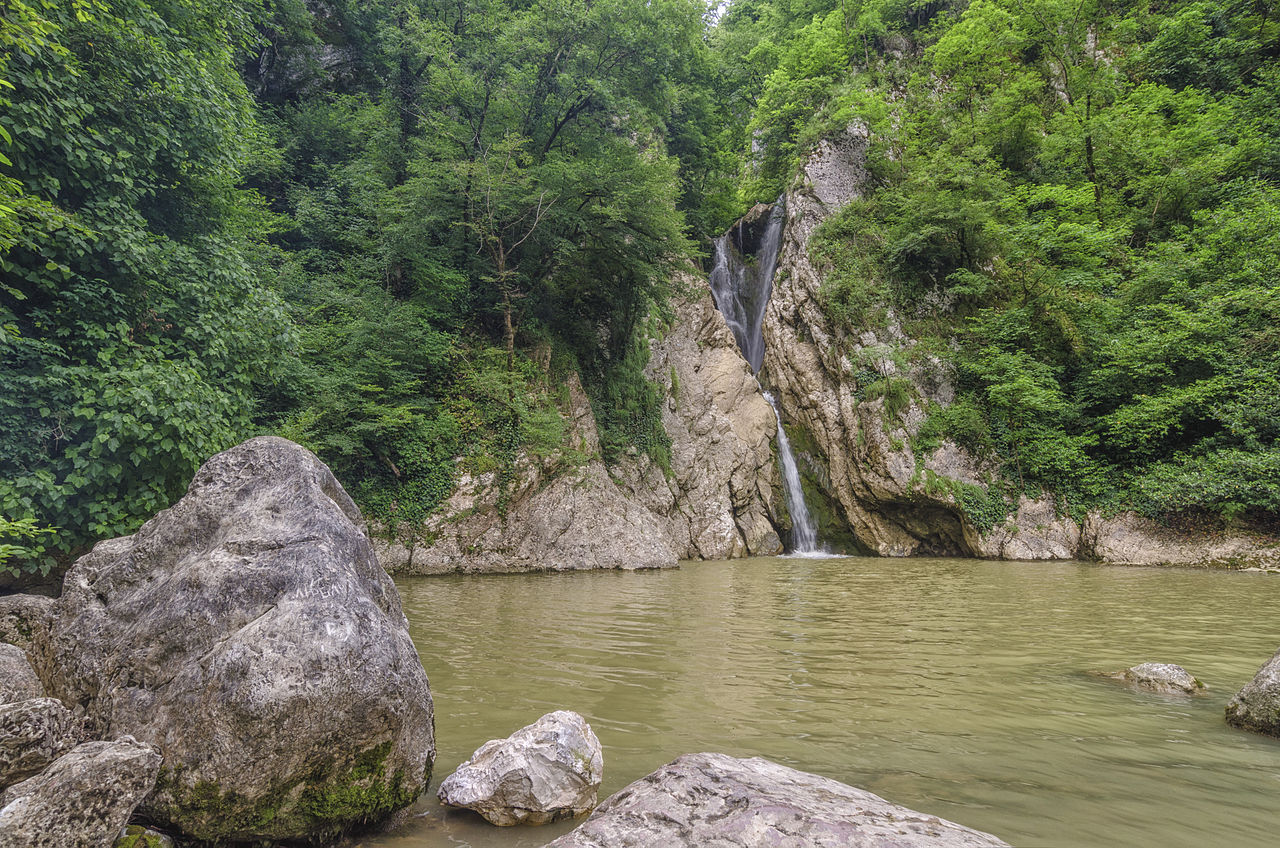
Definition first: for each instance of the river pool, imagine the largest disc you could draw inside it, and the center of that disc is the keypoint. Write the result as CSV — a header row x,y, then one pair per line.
x,y
957,687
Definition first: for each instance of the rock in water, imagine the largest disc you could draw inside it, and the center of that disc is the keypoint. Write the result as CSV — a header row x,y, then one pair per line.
x,y
249,632
82,800
712,799
18,681
32,734
1165,678
547,771
1256,707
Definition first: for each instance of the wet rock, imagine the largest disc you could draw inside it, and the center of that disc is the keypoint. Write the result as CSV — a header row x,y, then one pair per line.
x,y
712,799
249,632
33,733
1256,707
83,800
1165,678
546,771
18,681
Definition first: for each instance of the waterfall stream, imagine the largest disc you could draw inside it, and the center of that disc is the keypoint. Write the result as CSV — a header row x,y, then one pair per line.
x,y
804,533
741,289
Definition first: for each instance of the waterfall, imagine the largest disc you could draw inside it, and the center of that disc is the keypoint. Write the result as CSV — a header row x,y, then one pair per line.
x,y
804,533
741,290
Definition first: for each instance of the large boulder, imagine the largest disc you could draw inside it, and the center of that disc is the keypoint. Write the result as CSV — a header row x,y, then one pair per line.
x,y
33,733
1256,707
18,681
249,632
701,800
82,800
547,771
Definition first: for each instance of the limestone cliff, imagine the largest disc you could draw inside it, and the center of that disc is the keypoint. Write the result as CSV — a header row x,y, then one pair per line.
x,y
861,459
567,512
720,499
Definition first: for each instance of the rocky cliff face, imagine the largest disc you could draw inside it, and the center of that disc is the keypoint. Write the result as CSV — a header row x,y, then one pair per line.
x,y
894,502
721,498
567,512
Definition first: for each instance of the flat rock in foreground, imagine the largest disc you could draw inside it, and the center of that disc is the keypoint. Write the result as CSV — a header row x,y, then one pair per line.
x,y
550,770
249,632
702,800
1256,707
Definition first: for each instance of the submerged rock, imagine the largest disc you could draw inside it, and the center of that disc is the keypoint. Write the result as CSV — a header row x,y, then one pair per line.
x,y
1256,707
546,771
82,800
1165,678
18,681
33,733
249,632
701,800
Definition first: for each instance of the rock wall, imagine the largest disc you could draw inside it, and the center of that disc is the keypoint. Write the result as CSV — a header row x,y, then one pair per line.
x,y
893,502
568,512
722,498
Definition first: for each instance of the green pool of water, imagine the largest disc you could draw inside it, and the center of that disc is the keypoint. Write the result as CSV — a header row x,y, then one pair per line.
x,y
957,687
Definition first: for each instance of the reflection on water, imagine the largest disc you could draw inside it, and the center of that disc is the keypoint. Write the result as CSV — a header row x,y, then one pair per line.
x,y
957,687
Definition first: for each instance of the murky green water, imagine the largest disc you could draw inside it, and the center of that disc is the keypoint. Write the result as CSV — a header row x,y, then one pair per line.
x,y
956,687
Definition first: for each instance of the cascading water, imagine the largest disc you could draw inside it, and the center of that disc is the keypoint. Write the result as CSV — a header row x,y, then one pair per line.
x,y
804,533
741,291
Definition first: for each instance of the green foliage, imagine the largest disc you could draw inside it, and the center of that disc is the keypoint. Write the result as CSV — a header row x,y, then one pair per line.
x,y
134,332
22,546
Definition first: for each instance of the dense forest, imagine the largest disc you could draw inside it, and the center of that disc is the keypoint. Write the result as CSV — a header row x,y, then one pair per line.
x,y
388,229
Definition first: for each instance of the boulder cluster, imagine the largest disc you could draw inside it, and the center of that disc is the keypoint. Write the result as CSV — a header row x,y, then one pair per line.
x,y
238,670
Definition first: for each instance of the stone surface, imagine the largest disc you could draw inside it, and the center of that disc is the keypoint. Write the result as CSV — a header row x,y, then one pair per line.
x,y
249,632
721,499
1165,678
1256,707
33,733
25,619
18,681
82,800
706,800
1129,539
561,512
546,771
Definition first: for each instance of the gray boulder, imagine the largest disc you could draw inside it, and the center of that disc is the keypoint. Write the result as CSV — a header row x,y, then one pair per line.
x,y
547,771
25,619
18,681
1165,678
82,800
1256,707
249,632
34,733
701,800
